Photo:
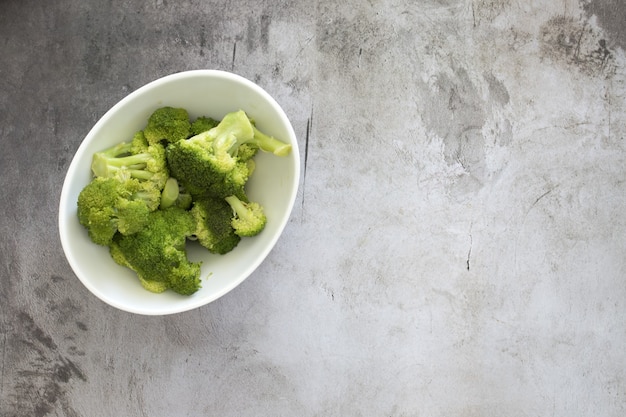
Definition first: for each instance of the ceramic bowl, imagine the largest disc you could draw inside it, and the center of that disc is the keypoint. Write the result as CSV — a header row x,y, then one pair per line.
x,y
274,185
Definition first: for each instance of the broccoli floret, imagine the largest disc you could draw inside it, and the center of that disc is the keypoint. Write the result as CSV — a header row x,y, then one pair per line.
x,y
213,225
237,129
139,144
246,152
206,164
150,193
157,252
232,183
137,159
202,124
120,258
189,163
248,217
185,278
168,124
110,205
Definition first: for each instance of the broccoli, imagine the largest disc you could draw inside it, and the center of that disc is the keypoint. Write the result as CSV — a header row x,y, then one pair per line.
x,y
233,130
150,285
136,158
232,183
189,164
219,145
168,124
208,164
110,205
202,164
247,152
139,144
237,129
202,124
248,217
213,225
174,195
269,143
157,252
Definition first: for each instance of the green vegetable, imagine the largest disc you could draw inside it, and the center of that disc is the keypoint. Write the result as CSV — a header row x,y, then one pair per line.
x,y
157,252
213,225
196,169
207,157
208,164
269,143
110,205
249,218
167,124
246,152
136,159
174,195
202,124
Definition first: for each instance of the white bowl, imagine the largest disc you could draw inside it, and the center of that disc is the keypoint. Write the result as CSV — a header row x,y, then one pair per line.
x,y
274,185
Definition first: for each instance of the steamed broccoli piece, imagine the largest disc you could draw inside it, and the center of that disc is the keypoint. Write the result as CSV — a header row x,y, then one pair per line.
x,y
213,225
237,129
248,217
110,205
157,252
168,124
206,164
219,161
202,124
150,285
190,163
136,158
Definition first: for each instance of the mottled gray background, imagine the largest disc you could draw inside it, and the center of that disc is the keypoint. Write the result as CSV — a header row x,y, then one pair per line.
x,y
458,243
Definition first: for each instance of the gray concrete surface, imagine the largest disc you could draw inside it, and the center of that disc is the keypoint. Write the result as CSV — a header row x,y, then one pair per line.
x,y
457,247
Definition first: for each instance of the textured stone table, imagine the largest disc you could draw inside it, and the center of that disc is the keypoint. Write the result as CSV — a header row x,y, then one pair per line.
x,y
458,243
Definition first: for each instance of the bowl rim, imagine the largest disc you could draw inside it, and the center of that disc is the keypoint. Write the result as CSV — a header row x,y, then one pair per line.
x,y
72,170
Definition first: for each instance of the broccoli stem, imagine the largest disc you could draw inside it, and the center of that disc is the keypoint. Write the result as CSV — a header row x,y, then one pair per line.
x,y
140,174
110,171
239,207
249,219
105,164
170,193
270,144
118,149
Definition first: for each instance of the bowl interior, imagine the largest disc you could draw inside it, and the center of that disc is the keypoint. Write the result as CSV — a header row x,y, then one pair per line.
x,y
273,184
